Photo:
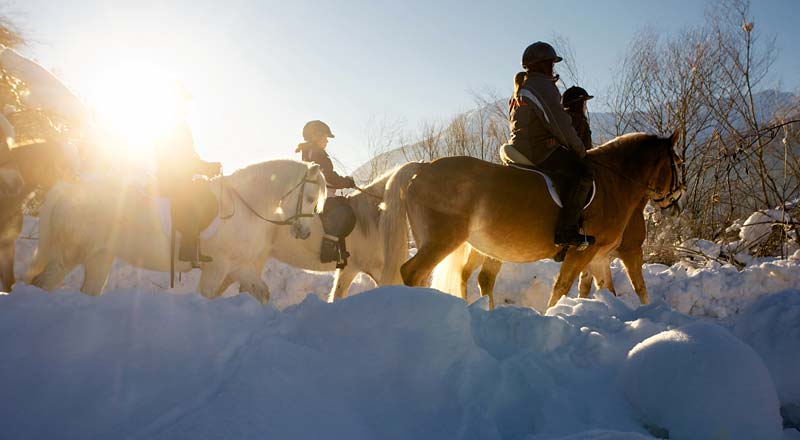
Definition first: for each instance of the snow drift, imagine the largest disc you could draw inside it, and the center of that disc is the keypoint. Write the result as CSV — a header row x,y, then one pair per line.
x,y
394,362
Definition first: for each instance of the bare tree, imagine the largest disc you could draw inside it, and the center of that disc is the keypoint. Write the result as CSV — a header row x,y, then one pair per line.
x,y
384,133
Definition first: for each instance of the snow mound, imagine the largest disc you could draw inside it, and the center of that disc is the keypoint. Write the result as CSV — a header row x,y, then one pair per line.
x,y
392,363
758,226
772,327
699,382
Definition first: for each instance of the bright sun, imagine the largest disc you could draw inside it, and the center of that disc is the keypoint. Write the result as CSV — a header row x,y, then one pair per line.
x,y
135,103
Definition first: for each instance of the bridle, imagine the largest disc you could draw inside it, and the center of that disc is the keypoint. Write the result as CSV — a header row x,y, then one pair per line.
x,y
675,188
298,212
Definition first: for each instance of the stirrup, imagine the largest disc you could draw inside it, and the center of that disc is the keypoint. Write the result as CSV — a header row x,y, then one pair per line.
x,y
580,240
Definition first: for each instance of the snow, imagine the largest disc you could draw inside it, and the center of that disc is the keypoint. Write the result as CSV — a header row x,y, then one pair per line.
x,y
713,290
758,226
772,327
701,382
394,362
716,353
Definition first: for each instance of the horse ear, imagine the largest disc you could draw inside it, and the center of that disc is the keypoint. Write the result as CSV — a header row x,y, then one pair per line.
x,y
674,137
313,171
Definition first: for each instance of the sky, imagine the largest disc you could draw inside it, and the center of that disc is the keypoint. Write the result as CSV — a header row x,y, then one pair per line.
x,y
257,70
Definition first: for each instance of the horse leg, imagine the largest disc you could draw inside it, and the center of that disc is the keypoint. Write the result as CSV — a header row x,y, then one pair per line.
x,y
51,276
213,276
585,282
8,247
632,260
474,261
341,282
608,279
250,281
96,269
487,278
598,269
572,266
7,251
434,244
224,286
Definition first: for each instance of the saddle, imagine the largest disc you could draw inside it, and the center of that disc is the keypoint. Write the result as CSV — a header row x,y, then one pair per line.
x,y
556,184
338,221
197,203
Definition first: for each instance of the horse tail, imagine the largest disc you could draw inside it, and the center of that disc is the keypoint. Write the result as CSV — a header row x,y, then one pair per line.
x,y
46,245
447,276
393,226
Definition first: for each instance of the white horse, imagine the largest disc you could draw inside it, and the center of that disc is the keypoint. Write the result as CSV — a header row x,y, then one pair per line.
x,y
376,224
91,223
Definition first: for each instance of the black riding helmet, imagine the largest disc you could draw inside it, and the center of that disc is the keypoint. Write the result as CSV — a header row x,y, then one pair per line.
x,y
315,130
575,94
538,51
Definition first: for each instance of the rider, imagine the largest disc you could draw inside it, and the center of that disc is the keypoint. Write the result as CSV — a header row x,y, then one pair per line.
x,y
192,201
542,135
316,134
574,102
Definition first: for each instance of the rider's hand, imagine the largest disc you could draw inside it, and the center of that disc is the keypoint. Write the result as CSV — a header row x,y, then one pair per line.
x,y
350,182
214,169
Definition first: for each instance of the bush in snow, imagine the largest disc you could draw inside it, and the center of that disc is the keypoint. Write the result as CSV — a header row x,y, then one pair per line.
x,y
700,382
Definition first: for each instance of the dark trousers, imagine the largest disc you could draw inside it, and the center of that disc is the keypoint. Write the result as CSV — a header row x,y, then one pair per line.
x,y
193,209
573,177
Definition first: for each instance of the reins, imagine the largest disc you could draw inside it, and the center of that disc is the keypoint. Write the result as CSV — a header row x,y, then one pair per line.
x,y
298,213
674,185
363,191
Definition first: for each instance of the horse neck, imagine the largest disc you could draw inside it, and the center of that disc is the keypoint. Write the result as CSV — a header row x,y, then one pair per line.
x,y
254,183
628,165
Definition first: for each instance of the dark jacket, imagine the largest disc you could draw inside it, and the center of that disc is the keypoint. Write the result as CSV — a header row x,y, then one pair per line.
x,y
177,161
313,153
539,123
581,125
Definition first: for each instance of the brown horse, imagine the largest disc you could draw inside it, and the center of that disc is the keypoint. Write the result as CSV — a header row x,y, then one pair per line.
x,y
506,213
41,166
598,270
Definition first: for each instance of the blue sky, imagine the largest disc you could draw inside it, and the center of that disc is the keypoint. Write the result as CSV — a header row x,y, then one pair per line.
x,y
259,69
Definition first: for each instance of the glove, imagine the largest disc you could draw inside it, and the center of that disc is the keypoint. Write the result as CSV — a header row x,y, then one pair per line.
x,y
351,183
214,169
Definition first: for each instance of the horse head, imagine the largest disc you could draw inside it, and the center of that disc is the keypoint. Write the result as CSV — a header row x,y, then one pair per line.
x,y
666,188
311,194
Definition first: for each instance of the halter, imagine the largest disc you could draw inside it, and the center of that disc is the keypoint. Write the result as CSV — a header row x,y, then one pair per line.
x,y
298,212
675,189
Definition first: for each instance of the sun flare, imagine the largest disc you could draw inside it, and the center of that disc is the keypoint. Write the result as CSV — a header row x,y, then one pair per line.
x,y
134,104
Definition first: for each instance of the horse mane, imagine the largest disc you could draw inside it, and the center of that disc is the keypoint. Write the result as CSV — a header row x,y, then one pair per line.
x,y
367,203
623,142
379,184
277,169
623,152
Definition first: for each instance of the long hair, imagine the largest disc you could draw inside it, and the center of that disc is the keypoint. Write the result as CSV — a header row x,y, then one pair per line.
x,y
519,80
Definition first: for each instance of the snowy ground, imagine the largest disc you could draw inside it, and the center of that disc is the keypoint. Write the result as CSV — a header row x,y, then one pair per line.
x,y
715,356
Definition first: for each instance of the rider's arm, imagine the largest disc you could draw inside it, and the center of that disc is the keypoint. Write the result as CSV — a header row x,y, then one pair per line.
x,y
560,125
520,122
334,180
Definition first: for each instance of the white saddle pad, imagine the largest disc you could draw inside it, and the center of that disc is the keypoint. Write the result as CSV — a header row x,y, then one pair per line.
x,y
164,208
551,188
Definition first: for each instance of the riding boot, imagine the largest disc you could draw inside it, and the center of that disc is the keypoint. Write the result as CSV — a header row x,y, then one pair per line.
x,y
190,249
568,231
